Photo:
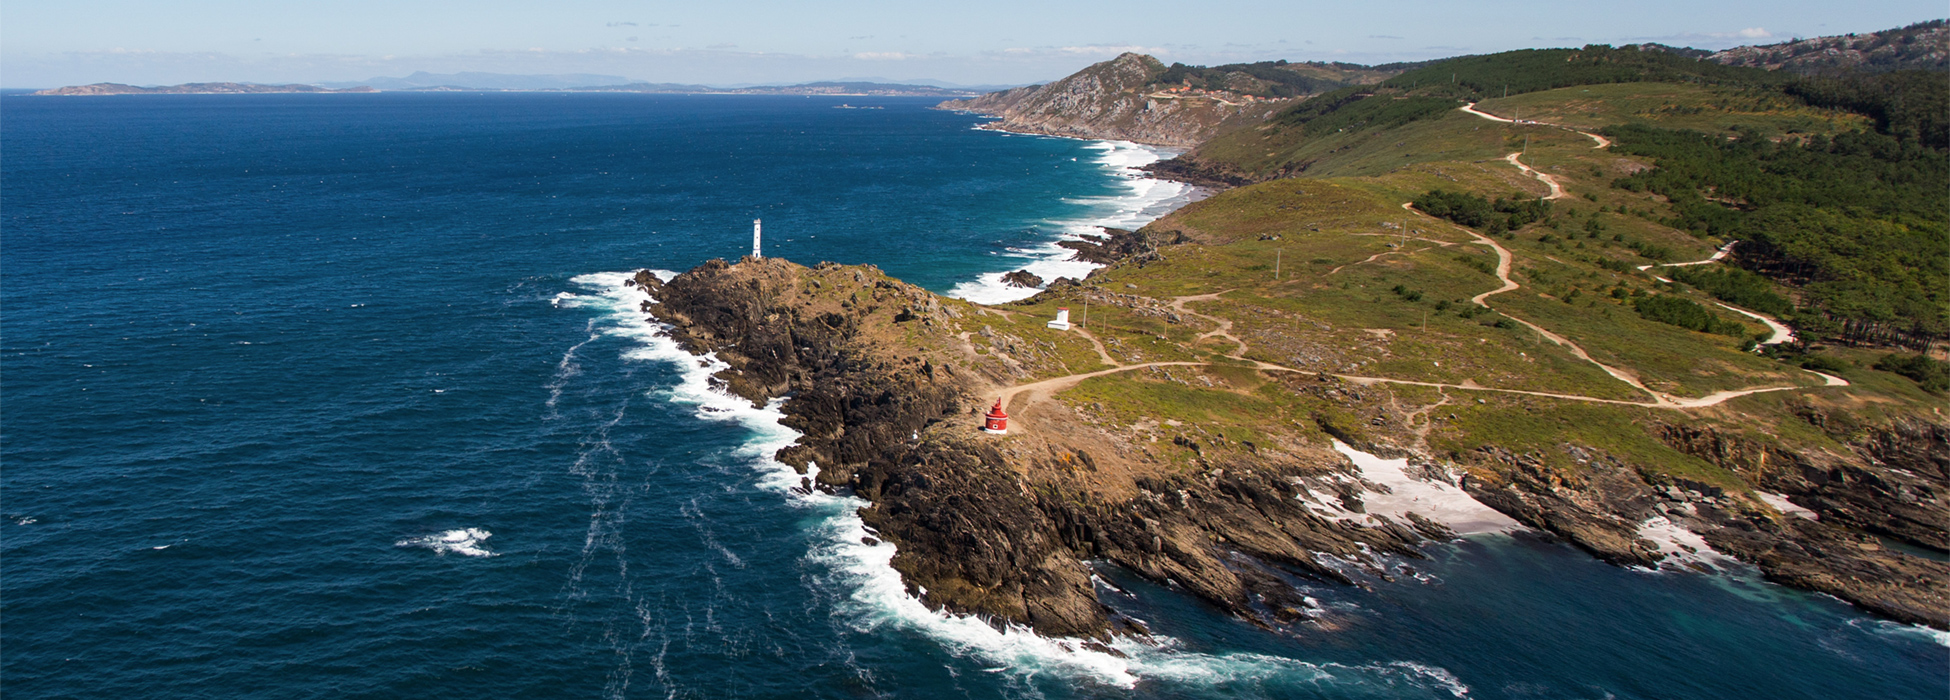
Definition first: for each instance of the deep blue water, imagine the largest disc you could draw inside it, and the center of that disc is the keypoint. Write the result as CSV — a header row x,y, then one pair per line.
x,y
275,369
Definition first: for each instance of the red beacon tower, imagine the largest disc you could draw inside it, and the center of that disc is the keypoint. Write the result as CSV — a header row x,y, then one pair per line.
x,y
996,421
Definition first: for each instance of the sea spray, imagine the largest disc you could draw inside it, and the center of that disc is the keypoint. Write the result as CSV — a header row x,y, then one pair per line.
x,y
1143,201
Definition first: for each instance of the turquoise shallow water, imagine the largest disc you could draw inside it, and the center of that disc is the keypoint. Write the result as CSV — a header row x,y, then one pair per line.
x,y
339,396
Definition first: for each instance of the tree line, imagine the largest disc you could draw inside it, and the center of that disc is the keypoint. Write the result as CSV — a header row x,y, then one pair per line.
x,y
1857,223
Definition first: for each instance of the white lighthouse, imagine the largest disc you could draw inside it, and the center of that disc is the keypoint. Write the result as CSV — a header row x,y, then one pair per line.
x,y
755,238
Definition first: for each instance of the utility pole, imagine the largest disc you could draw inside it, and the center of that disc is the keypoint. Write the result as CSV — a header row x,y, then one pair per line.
x,y
1085,322
1276,261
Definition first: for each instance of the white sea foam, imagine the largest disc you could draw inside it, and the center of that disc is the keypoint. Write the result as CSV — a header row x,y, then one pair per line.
x,y
1680,545
1144,200
1898,629
1434,500
466,541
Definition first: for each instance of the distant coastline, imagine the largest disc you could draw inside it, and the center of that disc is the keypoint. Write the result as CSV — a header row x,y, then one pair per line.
x,y
190,89
836,89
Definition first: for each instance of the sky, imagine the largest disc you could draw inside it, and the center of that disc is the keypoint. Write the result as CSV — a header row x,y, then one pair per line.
x,y
48,43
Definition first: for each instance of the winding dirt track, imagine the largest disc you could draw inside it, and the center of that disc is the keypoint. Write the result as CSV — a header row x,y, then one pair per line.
x,y
1471,108
1557,191
1719,255
1503,260
1780,332
1223,328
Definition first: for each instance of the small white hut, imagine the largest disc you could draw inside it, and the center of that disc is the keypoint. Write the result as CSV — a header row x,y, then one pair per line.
x,y
1062,322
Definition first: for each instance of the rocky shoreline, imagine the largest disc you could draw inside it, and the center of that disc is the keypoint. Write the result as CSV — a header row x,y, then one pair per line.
x,y
885,379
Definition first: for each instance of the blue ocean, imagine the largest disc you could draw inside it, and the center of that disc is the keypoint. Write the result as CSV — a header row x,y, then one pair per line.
x,y
341,396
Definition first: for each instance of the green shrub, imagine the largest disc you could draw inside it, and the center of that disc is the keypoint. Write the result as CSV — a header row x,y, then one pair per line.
x,y
1736,286
1679,312
1461,207
1824,363
1932,375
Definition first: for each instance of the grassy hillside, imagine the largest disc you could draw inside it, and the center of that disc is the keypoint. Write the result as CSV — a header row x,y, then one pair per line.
x,y
1834,184
1275,79
1322,269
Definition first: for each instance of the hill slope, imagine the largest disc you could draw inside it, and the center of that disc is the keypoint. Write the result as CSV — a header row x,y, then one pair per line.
x,y
1138,98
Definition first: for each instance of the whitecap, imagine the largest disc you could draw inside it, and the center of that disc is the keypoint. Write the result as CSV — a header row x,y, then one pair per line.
x,y
1144,200
465,541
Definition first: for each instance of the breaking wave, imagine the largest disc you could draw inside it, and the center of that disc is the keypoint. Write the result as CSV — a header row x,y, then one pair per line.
x,y
1144,200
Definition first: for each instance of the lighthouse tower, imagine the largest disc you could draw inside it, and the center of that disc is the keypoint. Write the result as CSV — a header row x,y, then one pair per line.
x,y
755,238
996,422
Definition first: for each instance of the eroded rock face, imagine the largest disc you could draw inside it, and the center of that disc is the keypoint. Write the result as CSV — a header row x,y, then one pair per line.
x,y
1818,557
1601,508
1893,481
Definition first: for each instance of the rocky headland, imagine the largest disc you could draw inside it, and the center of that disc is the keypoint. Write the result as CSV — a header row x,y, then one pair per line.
x,y
1118,99
886,382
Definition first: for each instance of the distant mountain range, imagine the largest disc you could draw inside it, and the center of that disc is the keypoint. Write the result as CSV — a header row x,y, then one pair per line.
x,y
485,81
190,89
575,82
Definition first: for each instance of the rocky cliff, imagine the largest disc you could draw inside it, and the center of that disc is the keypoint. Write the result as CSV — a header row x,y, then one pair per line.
x,y
1119,99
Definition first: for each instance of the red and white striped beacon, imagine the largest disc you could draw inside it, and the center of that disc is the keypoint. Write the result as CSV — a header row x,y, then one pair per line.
x,y
996,421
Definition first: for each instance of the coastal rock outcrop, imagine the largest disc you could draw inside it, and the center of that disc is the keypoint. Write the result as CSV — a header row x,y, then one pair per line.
x,y
1022,278
1119,245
